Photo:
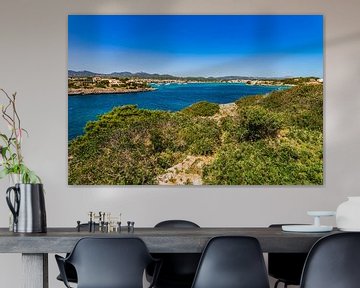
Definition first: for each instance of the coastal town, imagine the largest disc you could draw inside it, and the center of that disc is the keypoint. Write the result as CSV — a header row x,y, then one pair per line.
x,y
78,85
106,85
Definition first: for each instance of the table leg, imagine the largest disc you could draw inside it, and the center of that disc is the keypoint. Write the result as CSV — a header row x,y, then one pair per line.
x,y
35,270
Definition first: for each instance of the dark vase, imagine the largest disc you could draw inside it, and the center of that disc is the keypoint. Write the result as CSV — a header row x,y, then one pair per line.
x,y
27,207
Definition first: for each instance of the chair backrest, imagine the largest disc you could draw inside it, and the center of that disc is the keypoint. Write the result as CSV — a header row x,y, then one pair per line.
x,y
110,262
178,269
286,267
232,262
333,262
176,224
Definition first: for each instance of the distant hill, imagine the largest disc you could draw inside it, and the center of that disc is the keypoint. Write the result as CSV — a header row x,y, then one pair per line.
x,y
84,73
144,75
72,73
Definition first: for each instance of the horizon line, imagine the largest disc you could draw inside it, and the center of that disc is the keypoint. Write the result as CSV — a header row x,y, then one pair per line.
x,y
168,74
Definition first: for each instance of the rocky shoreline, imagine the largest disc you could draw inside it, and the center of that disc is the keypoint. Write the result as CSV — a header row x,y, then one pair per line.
x,y
94,91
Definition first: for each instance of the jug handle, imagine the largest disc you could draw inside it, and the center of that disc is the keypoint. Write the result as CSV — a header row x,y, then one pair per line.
x,y
13,208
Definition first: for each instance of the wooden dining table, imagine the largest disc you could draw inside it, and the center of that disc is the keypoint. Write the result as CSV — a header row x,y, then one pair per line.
x,y
35,247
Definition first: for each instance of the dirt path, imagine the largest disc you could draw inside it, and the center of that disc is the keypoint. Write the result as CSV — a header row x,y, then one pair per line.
x,y
225,110
188,171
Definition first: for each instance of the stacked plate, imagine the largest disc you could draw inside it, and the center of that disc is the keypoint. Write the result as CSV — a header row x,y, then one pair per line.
x,y
316,227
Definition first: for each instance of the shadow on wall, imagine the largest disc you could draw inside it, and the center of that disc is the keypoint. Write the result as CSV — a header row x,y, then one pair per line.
x,y
136,8
344,39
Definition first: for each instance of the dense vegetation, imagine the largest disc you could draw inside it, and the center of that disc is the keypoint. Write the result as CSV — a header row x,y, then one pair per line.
x,y
202,108
275,139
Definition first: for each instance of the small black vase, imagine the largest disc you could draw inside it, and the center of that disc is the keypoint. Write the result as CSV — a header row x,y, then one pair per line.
x,y
28,208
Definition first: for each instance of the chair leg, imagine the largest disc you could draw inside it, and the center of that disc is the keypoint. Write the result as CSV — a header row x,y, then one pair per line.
x,y
278,282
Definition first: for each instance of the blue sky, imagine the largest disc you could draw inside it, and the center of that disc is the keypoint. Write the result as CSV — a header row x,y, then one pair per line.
x,y
198,45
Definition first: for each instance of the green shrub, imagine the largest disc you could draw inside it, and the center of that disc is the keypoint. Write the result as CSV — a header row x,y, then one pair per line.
x,y
121,147
202,109
259,123
302,105
202,137
269,162
249,101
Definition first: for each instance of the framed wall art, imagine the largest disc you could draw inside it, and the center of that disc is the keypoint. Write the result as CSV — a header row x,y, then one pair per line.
x,y
195,99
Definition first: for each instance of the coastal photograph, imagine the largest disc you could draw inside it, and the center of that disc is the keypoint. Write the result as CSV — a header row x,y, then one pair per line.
x,y
195,100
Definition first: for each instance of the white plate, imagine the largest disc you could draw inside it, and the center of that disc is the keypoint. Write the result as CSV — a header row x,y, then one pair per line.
x,y
350,229
321,213
306,228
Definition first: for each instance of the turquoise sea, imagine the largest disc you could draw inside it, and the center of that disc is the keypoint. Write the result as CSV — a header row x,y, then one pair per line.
x,y
169,97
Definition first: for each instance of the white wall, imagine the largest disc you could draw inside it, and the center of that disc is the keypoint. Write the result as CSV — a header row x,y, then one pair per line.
x,y
33,62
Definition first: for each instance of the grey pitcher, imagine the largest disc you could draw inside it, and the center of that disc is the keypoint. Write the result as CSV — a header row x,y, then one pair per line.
x,y
28,208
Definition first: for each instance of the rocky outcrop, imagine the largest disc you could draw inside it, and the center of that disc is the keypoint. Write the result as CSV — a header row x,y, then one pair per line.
x,y
186,172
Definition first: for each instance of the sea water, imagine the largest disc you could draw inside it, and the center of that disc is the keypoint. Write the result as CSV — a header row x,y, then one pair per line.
x,y
168,97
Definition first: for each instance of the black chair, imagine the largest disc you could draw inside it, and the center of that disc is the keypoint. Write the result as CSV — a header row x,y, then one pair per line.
x,y
286,267
178,269
69,269
108,263
333,262
232,262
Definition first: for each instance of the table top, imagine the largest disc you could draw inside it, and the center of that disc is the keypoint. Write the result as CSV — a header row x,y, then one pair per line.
x,y
158,240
